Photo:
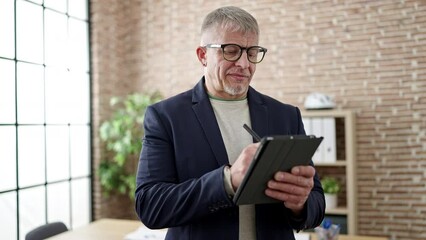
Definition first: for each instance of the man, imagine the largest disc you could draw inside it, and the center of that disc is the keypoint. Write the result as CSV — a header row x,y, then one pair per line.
x,y
196,152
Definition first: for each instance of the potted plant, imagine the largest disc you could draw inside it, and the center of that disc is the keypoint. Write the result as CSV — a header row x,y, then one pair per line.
x,y
331,188
122,135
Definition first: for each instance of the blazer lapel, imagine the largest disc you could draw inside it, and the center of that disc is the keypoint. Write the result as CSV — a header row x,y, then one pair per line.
x,y
258,112
204,112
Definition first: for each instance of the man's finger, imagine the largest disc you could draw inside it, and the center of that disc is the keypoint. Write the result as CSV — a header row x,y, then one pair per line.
x,y
306,171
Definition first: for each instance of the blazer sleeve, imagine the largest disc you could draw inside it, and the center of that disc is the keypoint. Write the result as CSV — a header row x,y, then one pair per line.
x,y
161,200
313,213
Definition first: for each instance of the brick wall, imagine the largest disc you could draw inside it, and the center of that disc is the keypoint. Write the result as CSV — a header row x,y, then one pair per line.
x,y
369,55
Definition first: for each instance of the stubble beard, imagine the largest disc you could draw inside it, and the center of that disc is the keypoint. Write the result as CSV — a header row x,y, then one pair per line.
x,y
234,91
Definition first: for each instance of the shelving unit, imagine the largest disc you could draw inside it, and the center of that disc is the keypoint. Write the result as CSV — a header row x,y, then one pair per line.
x,y
345,165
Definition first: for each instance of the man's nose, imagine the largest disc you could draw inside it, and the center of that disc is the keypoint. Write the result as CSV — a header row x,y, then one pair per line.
x,y
243,61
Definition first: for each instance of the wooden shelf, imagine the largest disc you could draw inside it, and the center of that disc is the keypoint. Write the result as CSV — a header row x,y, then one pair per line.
x,y
338,163
337,211
345,164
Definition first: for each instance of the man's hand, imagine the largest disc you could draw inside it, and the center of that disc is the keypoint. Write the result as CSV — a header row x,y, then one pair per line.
x,y
292,188
241,165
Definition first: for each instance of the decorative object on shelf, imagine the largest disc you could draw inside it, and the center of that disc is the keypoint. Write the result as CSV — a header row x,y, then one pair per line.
x,y
122,135
331,188
327,230
319,101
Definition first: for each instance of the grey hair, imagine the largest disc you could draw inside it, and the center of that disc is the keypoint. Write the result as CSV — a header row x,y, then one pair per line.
x,y
231,18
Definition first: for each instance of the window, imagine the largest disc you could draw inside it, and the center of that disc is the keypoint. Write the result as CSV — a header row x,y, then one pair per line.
x,y
45,123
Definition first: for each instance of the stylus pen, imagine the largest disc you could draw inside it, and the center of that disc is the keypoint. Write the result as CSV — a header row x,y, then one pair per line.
x,y
252,133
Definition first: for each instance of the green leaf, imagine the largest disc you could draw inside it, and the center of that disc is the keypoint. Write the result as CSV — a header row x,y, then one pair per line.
x,y
122,134
330,185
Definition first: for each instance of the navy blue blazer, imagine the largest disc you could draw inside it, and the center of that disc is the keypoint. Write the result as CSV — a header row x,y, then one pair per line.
x,y
180,174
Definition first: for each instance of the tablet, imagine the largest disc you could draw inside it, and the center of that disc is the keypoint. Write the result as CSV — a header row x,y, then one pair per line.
x,y
275,153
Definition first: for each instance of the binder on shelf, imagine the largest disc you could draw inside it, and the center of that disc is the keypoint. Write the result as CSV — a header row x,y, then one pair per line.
x,y
275,153
329,134
317,130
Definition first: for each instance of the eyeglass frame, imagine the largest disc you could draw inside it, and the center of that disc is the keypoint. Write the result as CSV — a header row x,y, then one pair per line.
x,y
246,49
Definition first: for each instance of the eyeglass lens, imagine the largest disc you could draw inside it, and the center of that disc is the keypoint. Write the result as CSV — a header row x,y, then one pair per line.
x,y
234,52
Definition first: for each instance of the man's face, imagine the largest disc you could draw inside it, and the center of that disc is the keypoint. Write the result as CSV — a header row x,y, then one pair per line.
x,y
225,79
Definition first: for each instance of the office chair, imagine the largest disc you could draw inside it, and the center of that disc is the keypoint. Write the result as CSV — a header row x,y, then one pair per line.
x,y
46,231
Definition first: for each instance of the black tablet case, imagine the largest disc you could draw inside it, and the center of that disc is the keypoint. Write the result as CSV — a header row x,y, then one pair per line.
x,y
275,153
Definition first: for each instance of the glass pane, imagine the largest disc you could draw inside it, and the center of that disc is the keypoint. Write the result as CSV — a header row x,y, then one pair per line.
x,y
32,209
29,32
7,158
55,38
79,107
58,96
58,202
57,153
59,5
78,45
7,31
8,226
80,195
31,155
80,151
67,97
30,93
7,90
78,8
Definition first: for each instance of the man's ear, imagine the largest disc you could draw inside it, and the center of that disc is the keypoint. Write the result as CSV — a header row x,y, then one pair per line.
x,y
202,55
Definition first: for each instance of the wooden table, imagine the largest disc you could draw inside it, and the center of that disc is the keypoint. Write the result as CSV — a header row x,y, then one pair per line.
x,y
117,229
104,229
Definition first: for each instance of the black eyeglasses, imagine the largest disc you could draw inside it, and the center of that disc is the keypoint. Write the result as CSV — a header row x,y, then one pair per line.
x,y
232,52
